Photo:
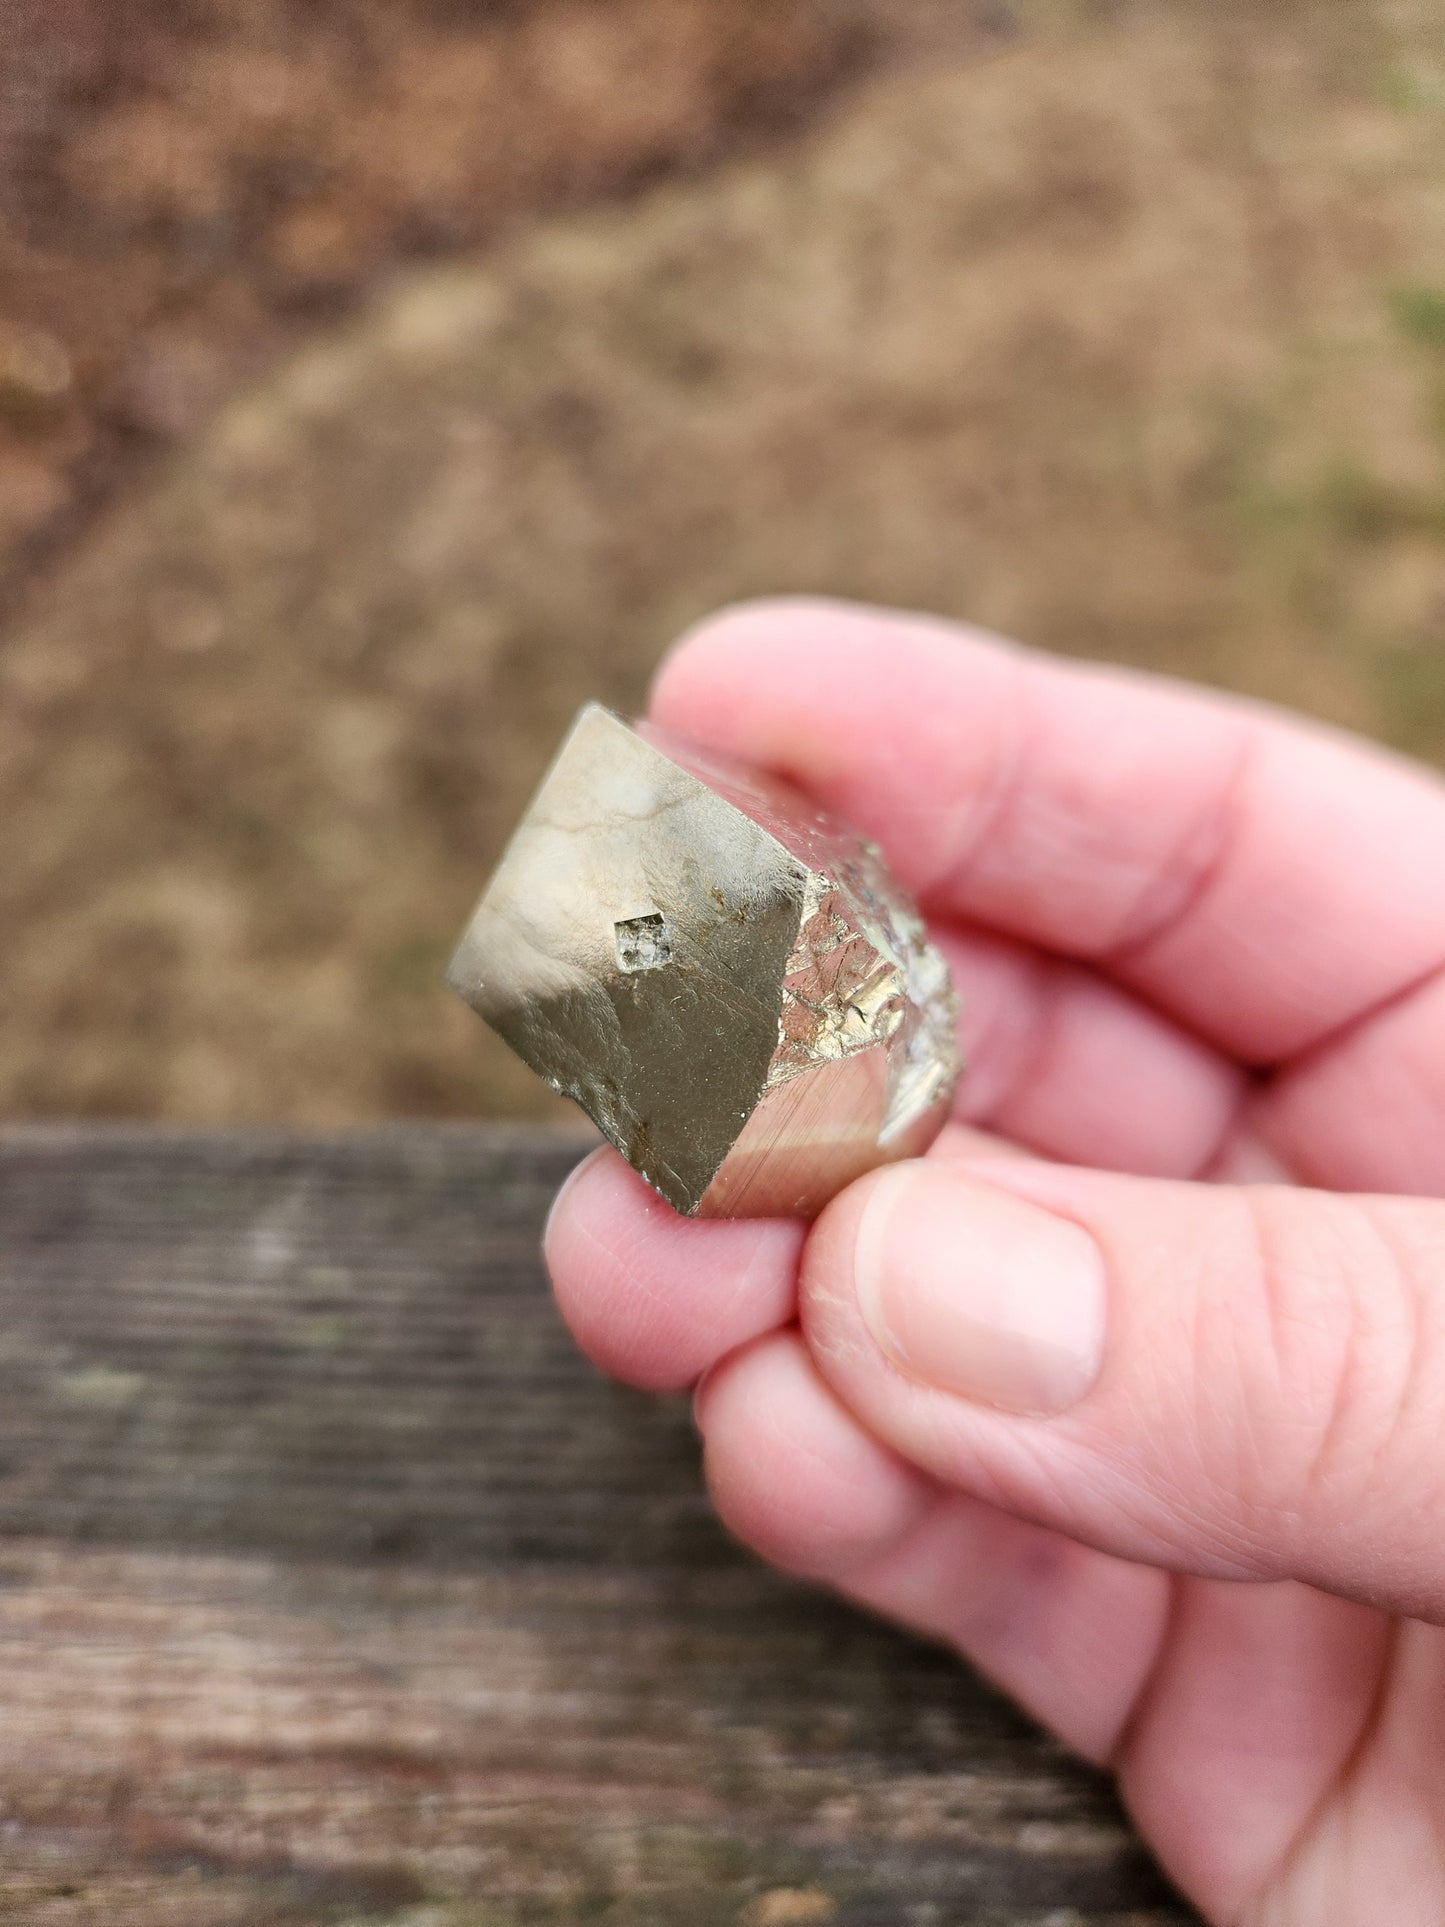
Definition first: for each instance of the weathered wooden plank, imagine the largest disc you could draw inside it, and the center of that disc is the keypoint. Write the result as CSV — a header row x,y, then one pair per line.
x,y
335,1588
326,1346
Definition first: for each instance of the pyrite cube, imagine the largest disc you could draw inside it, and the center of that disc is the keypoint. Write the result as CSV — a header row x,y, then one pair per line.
x,y
724,978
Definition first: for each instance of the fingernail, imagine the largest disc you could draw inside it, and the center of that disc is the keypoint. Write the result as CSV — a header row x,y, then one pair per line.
x,y
976,1292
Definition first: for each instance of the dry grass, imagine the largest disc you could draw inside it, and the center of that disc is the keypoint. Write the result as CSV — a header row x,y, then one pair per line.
x,y
1124,331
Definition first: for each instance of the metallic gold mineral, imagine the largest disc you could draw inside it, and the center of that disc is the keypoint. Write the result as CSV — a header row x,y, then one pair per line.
x,y
726,979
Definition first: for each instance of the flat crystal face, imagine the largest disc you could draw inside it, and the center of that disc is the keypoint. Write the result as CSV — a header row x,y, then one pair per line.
x,y
725,978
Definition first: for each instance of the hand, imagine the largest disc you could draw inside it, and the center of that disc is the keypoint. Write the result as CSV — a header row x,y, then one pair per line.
x,y
1143,1408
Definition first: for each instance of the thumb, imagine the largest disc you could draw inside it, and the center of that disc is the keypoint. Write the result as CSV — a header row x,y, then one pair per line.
x,y
1235,1382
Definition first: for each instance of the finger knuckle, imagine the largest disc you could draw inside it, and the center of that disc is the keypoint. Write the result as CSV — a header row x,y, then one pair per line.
x,y
1343,1370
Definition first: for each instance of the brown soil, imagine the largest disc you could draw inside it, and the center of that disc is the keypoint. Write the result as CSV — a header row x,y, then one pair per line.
x,y
1123,330
187,184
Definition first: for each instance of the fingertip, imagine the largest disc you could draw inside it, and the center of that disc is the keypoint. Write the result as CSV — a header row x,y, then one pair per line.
x,y
599,1227
954,1365
792,1473
800,683
592,1194
653,1298
563,1219
826,1271
864,708
705,662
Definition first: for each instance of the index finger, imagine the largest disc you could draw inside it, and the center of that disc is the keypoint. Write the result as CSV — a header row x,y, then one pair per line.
x,y
1266,880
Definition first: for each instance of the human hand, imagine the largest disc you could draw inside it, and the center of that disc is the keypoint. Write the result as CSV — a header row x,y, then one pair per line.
x,y
1053,1399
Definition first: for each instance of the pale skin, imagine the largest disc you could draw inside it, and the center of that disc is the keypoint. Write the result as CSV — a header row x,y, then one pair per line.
x,y
1133,1390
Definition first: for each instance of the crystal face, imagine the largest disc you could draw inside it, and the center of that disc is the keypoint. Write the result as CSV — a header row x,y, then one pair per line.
x,y
726,979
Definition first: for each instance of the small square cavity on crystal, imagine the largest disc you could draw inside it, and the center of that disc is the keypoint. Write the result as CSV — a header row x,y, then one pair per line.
x,y
643,942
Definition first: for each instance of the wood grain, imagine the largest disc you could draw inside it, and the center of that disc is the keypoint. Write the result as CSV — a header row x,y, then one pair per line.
x,y
335,1588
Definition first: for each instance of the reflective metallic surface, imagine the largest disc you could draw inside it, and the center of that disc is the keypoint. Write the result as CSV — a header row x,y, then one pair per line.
x,y
725,979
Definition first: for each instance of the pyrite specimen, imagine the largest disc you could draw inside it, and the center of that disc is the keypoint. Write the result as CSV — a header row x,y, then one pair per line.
x,y
724,978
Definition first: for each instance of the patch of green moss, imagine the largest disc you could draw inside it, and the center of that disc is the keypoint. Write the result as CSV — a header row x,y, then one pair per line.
x,y
1411,90
1353,503
1411,688
1418,311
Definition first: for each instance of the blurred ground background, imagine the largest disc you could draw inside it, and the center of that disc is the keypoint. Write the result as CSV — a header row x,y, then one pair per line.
x,y
380,378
